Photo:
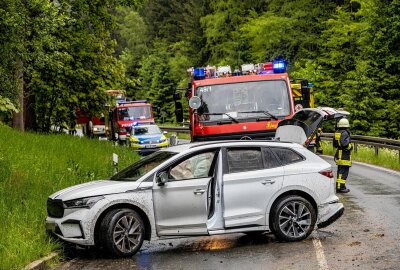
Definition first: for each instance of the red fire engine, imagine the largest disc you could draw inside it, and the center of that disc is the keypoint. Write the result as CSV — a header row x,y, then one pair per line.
x,y
126,114
246,104
95,126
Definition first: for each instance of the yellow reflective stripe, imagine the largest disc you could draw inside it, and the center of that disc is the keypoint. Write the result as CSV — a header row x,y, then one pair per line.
x,y
340,181
340,154
343,162
337,137
296,93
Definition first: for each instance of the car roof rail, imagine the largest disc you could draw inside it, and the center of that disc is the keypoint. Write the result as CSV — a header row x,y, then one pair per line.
x,y
231,141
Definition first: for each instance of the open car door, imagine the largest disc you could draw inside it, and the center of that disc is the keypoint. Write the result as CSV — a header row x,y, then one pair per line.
x,y
304,124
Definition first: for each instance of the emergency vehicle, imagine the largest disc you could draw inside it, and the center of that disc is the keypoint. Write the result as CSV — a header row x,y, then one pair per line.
x,y
95,126
243,104
124,116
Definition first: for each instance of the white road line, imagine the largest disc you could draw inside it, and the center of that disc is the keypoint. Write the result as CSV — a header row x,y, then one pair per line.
x,y
323,265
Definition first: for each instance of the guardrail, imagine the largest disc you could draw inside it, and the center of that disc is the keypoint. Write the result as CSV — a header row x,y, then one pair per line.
x,y
375,142
176,129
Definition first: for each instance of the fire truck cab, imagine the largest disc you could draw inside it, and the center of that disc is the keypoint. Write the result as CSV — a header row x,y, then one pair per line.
x,y
124,116
246,104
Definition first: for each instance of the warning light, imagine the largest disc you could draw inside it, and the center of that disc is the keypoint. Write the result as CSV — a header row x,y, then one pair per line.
x,y
199,74
279,66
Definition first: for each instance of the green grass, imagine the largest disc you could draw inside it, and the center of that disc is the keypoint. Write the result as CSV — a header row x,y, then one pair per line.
x,y
183,136
386,158
34,166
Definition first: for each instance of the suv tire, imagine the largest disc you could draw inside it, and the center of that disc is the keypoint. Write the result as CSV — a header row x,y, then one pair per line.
x,y
293,218
122,232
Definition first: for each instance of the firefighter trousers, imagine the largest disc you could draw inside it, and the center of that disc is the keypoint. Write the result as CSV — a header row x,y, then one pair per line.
x,y
342,173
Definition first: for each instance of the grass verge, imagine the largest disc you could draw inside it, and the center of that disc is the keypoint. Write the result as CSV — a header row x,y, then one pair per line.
x,y
34,166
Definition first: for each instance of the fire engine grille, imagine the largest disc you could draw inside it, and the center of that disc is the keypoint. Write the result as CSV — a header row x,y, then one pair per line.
x,y
55,208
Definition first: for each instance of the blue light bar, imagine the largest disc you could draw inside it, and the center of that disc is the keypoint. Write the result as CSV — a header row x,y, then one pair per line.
x,y
199,74
122,102
279,66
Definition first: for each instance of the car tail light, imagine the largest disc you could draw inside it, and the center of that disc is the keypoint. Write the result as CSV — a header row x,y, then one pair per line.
x,y
327,173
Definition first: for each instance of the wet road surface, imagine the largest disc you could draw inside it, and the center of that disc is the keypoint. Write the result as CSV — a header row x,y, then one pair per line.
x,y
367,236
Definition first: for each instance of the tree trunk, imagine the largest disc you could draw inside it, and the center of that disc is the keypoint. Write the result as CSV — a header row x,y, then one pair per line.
x,y
29,113
18,118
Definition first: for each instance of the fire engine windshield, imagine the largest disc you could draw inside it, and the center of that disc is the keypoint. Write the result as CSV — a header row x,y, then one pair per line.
x,y
134,113
243,100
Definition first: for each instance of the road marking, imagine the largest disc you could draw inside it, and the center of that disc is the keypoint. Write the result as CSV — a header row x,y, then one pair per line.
x,y
323,265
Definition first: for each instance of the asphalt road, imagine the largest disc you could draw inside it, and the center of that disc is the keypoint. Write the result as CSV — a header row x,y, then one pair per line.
x,y
366,237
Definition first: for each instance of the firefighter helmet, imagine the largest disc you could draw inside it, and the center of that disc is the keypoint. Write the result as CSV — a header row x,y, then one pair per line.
x,y
343,123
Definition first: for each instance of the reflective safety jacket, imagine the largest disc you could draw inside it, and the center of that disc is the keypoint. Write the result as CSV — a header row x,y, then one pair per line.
x,y
342,141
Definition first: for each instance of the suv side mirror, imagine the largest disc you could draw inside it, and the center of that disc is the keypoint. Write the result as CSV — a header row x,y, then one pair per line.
x,y
162,178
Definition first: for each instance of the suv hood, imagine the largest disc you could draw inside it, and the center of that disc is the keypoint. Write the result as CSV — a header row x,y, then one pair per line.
x,y
304,124
95,188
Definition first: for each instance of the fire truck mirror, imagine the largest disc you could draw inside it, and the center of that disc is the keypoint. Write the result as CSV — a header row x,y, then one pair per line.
x,y
178,112
194,102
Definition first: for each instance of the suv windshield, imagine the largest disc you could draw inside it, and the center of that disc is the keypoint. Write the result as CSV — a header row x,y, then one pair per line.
x,y
143,166
243,100
132,113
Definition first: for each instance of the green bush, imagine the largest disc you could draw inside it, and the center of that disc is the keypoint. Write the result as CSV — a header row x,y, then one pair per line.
x,y
34,166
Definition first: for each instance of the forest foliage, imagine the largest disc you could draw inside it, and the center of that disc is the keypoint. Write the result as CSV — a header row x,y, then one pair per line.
x,y
64,55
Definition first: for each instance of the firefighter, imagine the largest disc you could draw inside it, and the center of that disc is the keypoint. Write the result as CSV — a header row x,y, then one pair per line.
x,y
342,141
318,147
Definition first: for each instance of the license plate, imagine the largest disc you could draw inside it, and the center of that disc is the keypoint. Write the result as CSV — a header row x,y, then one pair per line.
x,y
150,146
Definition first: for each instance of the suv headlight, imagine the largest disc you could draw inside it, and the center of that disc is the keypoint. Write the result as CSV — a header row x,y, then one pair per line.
x,y
83,202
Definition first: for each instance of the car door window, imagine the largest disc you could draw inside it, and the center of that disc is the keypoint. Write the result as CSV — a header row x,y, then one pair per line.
x,y
270,160
198,166
287,156
244,159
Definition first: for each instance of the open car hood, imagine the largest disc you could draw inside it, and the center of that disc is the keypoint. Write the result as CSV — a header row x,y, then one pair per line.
x,y
304,124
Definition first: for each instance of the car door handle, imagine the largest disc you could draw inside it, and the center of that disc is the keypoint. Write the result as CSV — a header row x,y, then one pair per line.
x,y
199,191
264,182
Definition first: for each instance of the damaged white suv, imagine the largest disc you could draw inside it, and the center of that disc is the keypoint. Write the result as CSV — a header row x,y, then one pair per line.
x,y
200,189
